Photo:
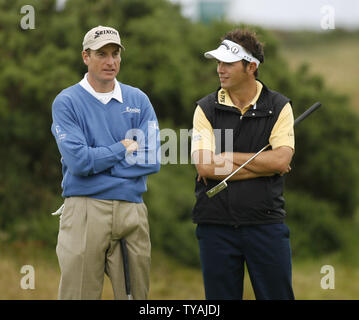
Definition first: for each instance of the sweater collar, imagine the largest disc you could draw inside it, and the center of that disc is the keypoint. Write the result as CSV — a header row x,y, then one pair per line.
x,y
116,94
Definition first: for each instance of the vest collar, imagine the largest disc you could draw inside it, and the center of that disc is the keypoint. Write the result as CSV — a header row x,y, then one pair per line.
x,y
258,106
224,98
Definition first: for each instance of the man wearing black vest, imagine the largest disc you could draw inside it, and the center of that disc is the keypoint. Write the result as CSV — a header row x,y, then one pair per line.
x,y
243,223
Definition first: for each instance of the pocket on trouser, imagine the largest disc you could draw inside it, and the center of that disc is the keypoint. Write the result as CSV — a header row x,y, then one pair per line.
x,y
67,213
72,225
197,232
286,231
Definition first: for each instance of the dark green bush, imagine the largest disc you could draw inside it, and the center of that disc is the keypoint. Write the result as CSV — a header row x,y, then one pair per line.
x,y
163,57
314,224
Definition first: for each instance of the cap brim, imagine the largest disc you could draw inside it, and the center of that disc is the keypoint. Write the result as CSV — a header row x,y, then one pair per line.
x,y
223,55
103,43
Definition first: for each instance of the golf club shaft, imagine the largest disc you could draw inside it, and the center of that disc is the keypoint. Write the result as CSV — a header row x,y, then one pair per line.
x,y
222,185
244,164
305,114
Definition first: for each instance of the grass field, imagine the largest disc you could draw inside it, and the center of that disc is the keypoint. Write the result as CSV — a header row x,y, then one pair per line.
x,y
169,279
336,61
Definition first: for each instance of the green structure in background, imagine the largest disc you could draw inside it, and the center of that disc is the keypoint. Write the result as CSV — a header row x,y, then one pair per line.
x,y
212,10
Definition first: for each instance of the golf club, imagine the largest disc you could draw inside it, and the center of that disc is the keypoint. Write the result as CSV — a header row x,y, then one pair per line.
x,y
222,185
126,268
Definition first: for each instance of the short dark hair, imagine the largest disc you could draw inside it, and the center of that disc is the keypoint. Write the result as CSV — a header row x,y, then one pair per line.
x,y
248,40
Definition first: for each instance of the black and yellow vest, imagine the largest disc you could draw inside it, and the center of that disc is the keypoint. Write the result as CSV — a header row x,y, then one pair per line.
x,y
252,201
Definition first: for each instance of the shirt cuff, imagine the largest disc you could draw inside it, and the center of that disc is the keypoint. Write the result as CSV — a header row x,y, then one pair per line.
x,y
119,150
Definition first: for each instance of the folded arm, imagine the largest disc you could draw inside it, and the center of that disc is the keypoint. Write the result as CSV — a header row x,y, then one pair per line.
x,y
275,161
146,159
217,167
79,157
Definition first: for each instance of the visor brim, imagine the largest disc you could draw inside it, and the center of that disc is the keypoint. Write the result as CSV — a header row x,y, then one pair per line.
x,y
223,55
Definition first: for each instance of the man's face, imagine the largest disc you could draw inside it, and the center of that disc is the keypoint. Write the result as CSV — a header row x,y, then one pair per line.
x,y
232,75
104,63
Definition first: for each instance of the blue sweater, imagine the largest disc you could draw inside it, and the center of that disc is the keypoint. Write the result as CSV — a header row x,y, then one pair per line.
x,y
88,135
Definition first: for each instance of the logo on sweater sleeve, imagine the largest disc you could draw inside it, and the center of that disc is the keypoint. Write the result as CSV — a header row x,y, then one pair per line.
x,y
59,133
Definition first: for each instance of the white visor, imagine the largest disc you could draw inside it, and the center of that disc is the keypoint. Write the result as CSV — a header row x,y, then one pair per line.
x,y
230,51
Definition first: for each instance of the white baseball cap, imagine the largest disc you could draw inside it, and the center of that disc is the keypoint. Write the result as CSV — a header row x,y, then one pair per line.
x,y
230,51
99,36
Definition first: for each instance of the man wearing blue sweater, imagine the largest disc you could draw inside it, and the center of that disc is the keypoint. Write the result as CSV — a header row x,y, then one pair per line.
x,y
108,136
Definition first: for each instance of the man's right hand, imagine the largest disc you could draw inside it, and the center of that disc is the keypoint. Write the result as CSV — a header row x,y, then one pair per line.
x,y
130,145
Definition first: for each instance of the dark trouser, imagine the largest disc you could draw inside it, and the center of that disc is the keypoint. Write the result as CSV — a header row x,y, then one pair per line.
x,y
264,248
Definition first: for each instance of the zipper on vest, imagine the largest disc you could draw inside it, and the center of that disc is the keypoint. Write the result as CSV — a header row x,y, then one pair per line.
x,y
238,128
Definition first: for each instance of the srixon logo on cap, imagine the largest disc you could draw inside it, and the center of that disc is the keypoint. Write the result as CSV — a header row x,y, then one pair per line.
x,y
108,31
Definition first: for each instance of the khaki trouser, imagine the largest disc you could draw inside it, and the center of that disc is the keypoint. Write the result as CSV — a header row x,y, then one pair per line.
x,y
88,246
